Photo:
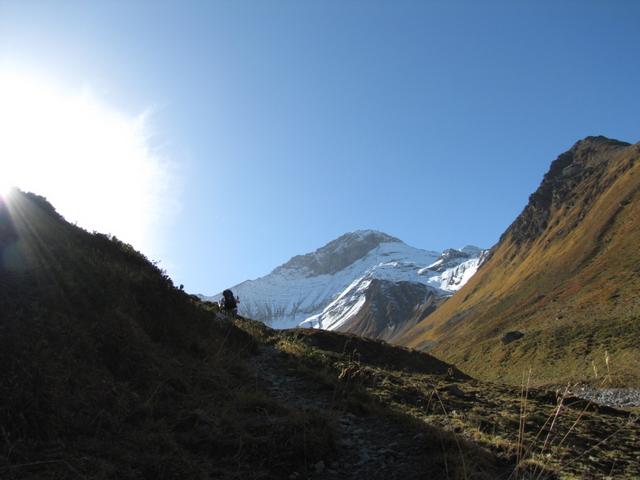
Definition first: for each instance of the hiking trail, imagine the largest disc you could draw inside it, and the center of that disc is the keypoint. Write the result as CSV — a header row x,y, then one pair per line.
x,y
366,446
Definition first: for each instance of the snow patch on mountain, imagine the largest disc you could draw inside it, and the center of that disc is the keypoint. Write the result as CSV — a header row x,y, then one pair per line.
x,y
349,302
342,308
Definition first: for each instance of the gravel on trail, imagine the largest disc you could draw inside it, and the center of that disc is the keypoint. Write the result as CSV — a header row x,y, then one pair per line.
x,y
368,447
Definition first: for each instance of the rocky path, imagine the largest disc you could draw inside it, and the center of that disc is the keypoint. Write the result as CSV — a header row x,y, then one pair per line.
x,y
367,447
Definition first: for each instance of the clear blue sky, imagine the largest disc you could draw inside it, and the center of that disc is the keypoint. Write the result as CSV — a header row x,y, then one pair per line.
x,y
293,122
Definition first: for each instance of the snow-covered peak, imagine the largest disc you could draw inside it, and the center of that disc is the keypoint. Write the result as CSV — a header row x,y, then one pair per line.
x,y
305,285
337,254
368,233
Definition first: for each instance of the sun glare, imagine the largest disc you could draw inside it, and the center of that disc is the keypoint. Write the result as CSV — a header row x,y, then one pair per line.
x,y
5,188
92,162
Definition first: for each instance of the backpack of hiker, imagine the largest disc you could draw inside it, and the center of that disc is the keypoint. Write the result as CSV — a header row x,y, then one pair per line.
x,y
228,302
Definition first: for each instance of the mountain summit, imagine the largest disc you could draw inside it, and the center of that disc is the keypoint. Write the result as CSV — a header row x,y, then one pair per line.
x,y
337,254
329,287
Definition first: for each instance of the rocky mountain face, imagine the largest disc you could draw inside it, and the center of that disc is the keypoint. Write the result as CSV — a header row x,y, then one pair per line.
x,y
559,292
388,309
360,275
575,179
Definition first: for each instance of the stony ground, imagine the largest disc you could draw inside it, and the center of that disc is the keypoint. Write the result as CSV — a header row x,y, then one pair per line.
x,y
390,423
366,447
611,397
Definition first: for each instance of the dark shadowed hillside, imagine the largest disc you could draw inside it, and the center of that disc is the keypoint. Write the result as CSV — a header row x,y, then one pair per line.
x,y
109,371
564,280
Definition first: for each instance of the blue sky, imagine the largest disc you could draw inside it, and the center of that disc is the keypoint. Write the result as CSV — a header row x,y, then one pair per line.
x,y
288,123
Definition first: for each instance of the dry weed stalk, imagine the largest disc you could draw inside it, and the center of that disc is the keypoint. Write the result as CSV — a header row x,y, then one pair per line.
x,y
524,394
446,414
522,456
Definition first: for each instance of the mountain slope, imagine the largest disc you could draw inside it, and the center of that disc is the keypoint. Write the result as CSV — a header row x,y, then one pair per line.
x,y
326,288
566,274
387,309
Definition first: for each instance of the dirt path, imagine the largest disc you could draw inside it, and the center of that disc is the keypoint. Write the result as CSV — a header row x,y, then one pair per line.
x,y
367,447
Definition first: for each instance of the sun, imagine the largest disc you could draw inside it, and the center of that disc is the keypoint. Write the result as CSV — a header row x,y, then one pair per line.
x,y
94,163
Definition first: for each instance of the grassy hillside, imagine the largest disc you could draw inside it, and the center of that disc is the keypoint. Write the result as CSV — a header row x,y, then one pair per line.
x,y
566,274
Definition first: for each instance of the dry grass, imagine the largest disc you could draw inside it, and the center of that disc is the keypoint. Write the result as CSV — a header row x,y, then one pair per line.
x,y
534,461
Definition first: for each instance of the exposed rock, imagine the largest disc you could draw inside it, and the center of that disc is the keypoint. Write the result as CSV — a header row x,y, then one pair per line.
x,y
611,397
512,337
455,390
449,258
558,186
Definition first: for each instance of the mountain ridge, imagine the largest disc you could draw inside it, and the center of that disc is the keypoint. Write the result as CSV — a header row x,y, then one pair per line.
x,y
564,273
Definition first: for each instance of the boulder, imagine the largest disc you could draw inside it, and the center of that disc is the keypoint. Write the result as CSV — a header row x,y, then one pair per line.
x,y
512,337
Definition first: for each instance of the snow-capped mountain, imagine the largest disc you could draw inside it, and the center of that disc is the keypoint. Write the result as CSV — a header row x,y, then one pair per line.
x,y
325,288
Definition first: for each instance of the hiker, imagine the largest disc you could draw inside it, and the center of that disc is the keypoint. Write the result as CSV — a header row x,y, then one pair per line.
x,y
229,302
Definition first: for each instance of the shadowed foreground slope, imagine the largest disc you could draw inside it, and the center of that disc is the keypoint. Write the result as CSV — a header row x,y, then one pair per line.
x,y
566,274
108,371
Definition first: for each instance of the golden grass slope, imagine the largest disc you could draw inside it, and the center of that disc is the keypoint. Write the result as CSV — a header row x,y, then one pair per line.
x,y
566,273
